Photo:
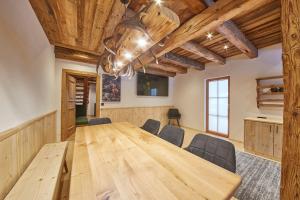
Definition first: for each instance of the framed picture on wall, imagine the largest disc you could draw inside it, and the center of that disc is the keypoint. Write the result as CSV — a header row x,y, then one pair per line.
x,y
111,88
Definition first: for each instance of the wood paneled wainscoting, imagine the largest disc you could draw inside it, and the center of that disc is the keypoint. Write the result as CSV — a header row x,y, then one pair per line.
x,y
137,115
19,145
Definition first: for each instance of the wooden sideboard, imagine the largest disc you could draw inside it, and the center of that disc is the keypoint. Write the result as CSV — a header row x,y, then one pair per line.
x,y
263,137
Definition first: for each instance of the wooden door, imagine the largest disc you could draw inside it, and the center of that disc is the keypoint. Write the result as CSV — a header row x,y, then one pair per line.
x,y
249,135
278,134
264,139
68,123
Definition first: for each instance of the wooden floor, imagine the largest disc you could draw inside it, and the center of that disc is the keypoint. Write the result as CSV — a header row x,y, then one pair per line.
x,y
189,134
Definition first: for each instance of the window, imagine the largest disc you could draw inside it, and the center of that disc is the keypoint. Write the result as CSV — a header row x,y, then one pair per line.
x,y
217,106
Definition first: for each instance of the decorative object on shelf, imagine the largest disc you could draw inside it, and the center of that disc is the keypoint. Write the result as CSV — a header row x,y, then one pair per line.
x,y
269,91
111,88
135,35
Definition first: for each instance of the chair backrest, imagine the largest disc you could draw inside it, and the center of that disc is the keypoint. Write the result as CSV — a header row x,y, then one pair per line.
x,y
98,121
173,112
152,126
172,134
215,150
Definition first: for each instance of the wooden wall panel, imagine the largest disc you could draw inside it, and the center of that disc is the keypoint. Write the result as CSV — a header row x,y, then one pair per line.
x,y
137,115
18,146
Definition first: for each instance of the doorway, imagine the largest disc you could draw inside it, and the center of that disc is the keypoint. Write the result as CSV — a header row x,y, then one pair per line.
x,y
76,103
217,106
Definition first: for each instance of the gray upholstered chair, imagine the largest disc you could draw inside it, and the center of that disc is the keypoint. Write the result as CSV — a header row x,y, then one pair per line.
x,y
173,113
172,134
152,126
99,121
215,150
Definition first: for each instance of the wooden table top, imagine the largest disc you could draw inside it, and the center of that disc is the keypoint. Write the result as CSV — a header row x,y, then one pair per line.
x,y
121,161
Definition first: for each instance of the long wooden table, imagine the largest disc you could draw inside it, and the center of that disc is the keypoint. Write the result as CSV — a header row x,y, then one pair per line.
x,y
121,161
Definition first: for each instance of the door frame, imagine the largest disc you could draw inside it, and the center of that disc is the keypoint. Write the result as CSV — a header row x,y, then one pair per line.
x,y
207,106
71,72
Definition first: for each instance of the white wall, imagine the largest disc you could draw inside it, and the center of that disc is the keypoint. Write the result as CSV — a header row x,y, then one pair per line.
x,y
129,96
27,66
92,100
189,92
128,89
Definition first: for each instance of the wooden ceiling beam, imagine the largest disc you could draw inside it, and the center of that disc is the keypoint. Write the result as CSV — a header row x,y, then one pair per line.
x,y
77,48
150,70
201,51
79,56
182,61
209,19
233,34
168,67
195,6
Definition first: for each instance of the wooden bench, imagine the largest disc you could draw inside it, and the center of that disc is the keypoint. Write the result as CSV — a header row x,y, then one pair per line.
x,y
41,179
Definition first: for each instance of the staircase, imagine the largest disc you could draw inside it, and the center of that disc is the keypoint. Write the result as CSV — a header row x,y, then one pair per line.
x,y
82,91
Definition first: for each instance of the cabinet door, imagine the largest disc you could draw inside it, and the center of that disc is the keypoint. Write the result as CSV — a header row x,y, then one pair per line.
x,y
249,135
278,134
264,139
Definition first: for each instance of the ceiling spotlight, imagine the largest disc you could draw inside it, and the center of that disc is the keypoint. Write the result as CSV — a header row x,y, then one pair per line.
x,y
209,35
128,55
226,46
119,64
141,42
158,2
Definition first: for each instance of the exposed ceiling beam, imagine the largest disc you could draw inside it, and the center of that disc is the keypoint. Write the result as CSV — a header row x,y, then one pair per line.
x,y
70,54
150,70
233,34
77,48
201,51
209,19
167,67
182,61
195,6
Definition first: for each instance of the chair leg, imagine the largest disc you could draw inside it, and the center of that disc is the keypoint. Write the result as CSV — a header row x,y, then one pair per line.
x,y
66,167
169,122
178,122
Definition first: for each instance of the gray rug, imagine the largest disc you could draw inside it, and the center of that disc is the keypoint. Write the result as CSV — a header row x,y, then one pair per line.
x,y
261,178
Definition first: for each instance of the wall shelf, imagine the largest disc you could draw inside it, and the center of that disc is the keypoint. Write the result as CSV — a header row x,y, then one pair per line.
x,y
270,91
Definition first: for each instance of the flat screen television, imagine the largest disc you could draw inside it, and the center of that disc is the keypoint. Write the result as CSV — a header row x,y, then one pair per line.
x,y
152,85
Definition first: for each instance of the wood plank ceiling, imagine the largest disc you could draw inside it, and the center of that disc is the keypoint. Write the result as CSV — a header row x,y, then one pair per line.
x,y
77,29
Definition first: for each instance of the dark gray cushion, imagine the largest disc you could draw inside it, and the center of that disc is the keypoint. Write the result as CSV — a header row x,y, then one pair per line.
x,y
215,150
172,134
173,113
98,121
152,126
